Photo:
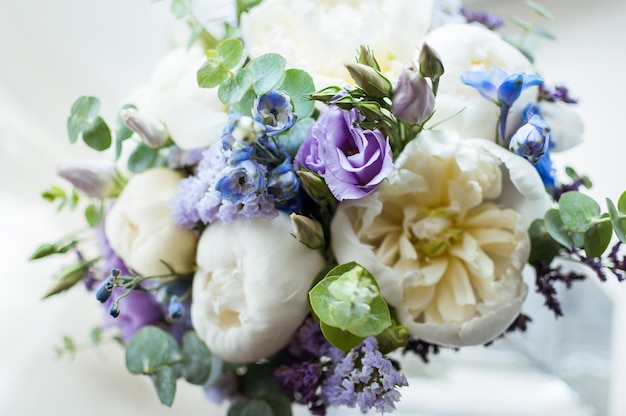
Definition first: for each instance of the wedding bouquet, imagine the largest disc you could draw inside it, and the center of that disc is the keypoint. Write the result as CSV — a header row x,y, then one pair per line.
x,y
309,186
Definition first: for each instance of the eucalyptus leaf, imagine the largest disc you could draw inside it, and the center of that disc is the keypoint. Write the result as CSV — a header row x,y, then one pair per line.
x,y
378,320
212,73
244,105
94,214
597,239
142,158
540,31
278,401
520,23
181,8
621,203
234,88
555,227
258,407
543,246
83,113
618,220
340,339
231,53
578,211
299,86
236,408
540,10
296,135
164,381
196,359
150,349
269,70
98,135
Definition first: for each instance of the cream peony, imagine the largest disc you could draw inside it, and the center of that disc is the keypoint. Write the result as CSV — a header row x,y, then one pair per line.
x,y
194,116
464,47
250,292
320,36
140,230
446,237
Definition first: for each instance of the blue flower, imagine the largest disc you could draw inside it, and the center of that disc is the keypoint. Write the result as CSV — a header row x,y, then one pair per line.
x,y
242,180
274,110
532,139
283,182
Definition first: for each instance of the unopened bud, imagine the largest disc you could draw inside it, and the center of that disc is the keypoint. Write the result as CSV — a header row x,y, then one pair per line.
x,y
114,310
315,186
97,178
532,140
413,99
152,132
370,80
430,63
175,309
308,231
366,57
105,290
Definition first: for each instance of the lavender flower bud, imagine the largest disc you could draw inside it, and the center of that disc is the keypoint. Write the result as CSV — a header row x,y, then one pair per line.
x,y
370,80
96,178
366,57
308,231
152,132
413,100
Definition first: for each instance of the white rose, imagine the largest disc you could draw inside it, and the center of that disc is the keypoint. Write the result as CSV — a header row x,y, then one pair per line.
x,y
566,125
321,36
446,237
472,47
140,230
250,292
194,116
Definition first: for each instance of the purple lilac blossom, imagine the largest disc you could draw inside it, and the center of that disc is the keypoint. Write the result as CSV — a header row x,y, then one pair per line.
x,y
309,340
364,378
489,20
302,380
559,93
353,161
274,110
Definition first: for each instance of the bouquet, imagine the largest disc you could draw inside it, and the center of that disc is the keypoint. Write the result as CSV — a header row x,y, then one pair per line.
x,y
289,203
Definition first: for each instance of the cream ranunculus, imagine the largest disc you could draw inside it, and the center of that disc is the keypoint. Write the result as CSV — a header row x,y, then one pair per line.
x,y
464,47
193,116
320,36
141,231
446,236
250,292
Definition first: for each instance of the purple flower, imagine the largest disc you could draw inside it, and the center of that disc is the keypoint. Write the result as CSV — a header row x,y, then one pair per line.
x,y
491,21
413,99
353,161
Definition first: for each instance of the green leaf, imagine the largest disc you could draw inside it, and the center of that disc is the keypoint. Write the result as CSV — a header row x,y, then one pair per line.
x,y
341,339
68,344
269,70
578,211
621,203
520,23
82,115
142,158
181,8
94,214
235,88
618,220
212,73
296,135
378,320
597,238
44,250
150,349
196,359
69,276
540,10
52,193
257,408
540,31
98,136
244,105
164,381
231,53
299,85
96,335
543,247
236,408
122,132
557,230
278,401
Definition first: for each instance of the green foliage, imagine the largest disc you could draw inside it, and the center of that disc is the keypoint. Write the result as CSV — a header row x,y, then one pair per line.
x,y
228,56
235,87
48,249
348,300
142,158
84,121
56,193
294,138
94,214
69,276
196,359
268,72
618,216
122,132
299,85
523,41
543,246
578,211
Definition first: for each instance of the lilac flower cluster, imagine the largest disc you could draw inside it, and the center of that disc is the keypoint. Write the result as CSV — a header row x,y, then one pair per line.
x,y
244,174
489,20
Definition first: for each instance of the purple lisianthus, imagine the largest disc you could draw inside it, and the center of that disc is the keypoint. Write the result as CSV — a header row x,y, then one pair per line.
x,y
353,161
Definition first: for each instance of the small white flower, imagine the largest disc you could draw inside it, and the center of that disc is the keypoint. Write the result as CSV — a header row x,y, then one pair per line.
x,y
472,47
250,292
446,237
140,229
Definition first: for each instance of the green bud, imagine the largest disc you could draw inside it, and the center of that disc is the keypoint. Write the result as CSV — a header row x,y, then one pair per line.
x,y
354,286
315,186
326,94
394,337
366,57
370,80
308,231
430,63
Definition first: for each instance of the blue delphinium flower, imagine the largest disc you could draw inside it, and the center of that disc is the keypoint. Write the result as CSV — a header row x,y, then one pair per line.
x,y
242,180
283,183
501,88
532,139
274,110
364,378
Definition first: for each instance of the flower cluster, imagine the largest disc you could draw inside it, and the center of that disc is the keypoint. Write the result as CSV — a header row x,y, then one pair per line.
x,y
276,211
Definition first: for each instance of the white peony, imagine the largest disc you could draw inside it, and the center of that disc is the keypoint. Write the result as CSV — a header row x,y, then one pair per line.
x,y
446,236
250,292
320,36
472,47
140,230
193,116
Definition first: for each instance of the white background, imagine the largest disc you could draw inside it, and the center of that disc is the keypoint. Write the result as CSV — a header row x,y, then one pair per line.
x,y
51,52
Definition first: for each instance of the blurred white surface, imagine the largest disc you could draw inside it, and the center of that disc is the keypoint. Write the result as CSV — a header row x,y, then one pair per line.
x,y
53,53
